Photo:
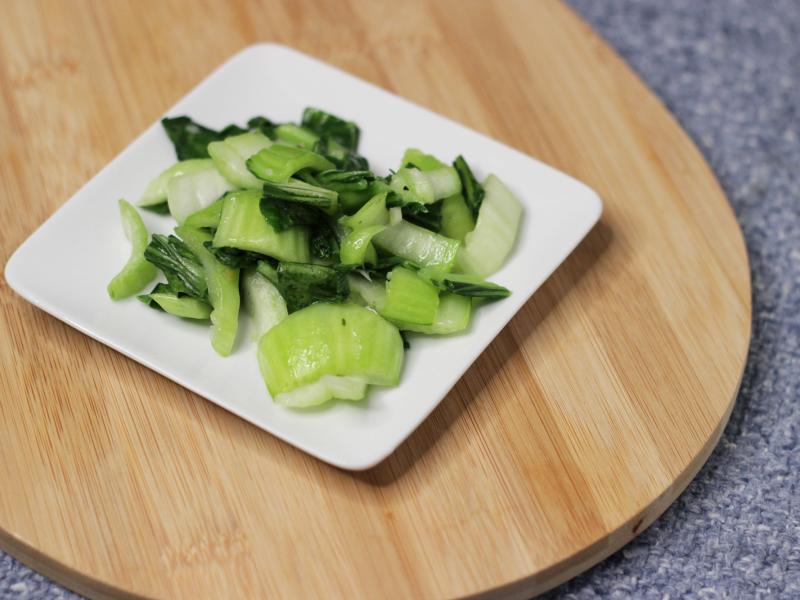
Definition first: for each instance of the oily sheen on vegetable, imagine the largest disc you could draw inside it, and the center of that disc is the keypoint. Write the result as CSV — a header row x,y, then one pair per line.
x,y
333,263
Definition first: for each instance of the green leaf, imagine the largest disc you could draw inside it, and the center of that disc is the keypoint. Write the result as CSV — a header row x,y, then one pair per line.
x,y
324,243
191,139
464,285
302,193
162,208
428,216
233,257
303,284
323,123
282,215
182,269
264,125
472,190
161,288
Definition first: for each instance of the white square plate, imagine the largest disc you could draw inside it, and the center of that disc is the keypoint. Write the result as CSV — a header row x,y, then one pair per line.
x,y
63,268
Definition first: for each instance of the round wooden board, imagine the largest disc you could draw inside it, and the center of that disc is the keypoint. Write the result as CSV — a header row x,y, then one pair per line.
x,y
579,425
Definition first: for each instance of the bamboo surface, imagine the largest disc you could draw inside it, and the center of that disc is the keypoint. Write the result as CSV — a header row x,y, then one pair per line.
x,y
576,428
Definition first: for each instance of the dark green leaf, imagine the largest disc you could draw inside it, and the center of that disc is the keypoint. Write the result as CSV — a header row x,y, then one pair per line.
x,y
465,285
428,216
301,192
264,125
324,243
339,155
161,288
281,214
233,257
472,190
355,180
303,284
191,139
323,124
487,289
393,199
183,271
385,264
162,208
353,162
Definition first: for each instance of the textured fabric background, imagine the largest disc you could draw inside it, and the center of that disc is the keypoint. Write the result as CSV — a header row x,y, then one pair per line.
x,y
730,71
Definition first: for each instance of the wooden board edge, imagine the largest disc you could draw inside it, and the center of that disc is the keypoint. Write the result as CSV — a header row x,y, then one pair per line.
x,y
601,549
63,574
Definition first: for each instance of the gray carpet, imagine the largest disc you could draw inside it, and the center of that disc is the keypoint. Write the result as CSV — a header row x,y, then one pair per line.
x,y
730,71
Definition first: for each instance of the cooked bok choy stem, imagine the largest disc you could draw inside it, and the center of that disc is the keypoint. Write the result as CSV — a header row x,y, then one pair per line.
x,y
262,301
487,247
330,339
190,192
156,190
231,154
223,290
137,272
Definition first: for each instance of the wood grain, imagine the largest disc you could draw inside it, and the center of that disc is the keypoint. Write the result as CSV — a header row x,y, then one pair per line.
x,y
575,429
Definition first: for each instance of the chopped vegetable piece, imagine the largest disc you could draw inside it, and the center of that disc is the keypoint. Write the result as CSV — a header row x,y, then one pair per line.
x,y
263,125
457,219
302,193
190,192
367,292
409,298
324,241
243,226
473,192
268,270
137,272
303,284
428,216
452,316
182,268
355,180
464,285
191,139
223,290
297,136
164,298
229,157
233,257
282,214
206,218
353,187
418,245
329,339
162,208
323,123
487,247
356,244
374,212
425,187
156,191
262,301
279,162
420,160
323,389
395,215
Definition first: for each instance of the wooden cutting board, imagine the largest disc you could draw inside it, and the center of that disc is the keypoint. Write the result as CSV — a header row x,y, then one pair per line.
x,y
579,425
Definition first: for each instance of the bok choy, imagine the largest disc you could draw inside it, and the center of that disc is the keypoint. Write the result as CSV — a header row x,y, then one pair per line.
x,y
332,261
